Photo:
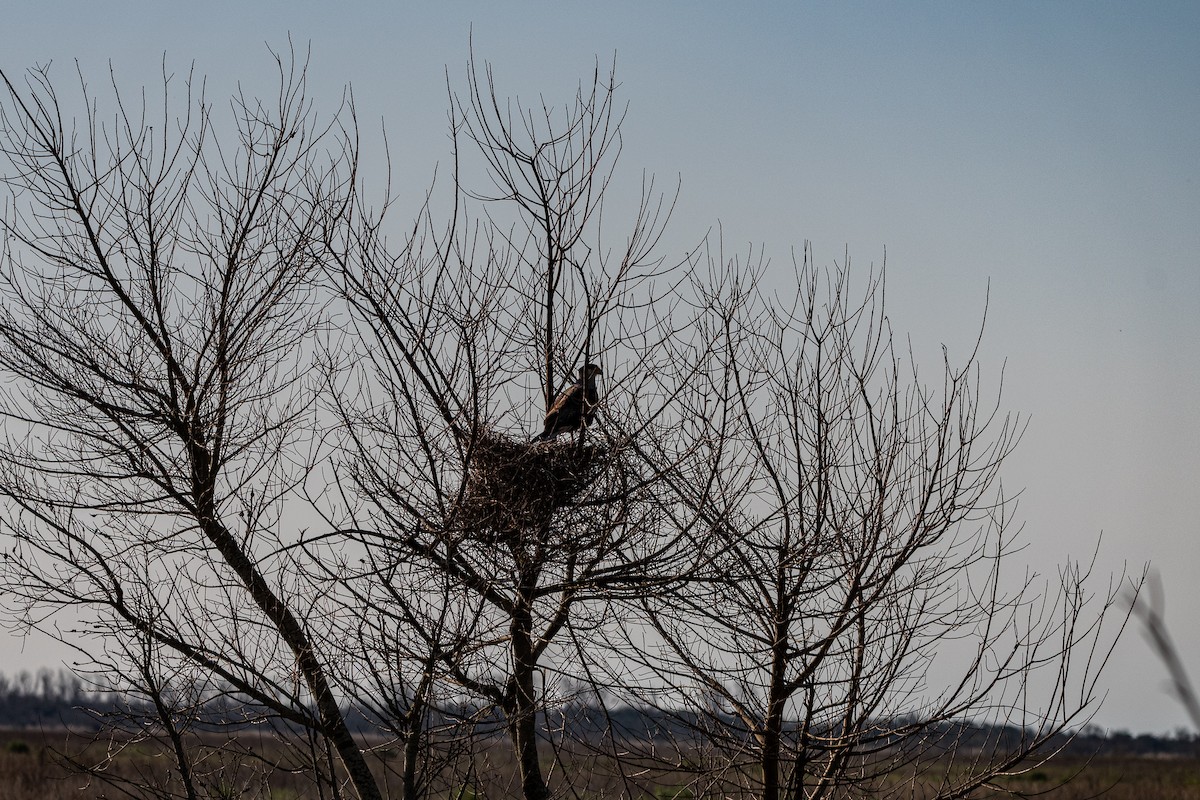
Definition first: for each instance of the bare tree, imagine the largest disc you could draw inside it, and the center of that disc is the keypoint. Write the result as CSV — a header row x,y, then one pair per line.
x,y
527,542
158,317
855,623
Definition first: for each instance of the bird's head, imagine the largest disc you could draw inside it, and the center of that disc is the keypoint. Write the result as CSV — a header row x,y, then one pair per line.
x,y
589,371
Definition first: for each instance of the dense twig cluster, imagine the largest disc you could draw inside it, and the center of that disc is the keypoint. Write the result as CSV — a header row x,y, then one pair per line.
x,y
513,487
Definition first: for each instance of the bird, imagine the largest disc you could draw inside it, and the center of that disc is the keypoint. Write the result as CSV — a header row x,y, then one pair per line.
x,y
575,407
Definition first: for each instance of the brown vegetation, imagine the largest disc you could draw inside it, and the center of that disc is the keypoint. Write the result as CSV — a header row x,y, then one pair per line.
x,y
34,765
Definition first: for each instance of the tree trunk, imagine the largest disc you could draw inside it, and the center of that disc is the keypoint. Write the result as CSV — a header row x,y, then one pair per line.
x,y
522,705
412,749
773,725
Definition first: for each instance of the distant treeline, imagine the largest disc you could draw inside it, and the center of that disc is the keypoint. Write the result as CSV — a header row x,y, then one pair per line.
x,y
48,698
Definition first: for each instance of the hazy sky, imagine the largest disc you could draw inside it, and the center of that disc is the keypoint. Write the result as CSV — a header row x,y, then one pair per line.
x,y
1049,150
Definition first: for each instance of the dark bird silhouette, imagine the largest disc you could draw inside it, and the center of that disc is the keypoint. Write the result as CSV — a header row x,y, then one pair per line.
x,y
574,407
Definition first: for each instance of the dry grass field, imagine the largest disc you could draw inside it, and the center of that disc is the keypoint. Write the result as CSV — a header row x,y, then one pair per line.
x,y
31,768
1113,778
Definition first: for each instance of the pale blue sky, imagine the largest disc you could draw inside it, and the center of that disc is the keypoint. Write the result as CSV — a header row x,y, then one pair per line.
x,y
1052,149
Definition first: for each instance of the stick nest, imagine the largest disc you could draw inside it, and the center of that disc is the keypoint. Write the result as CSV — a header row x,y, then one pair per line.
x,y
515,486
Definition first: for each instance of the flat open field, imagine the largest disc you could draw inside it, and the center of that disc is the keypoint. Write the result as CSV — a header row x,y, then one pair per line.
x,y
30,769
1115,778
